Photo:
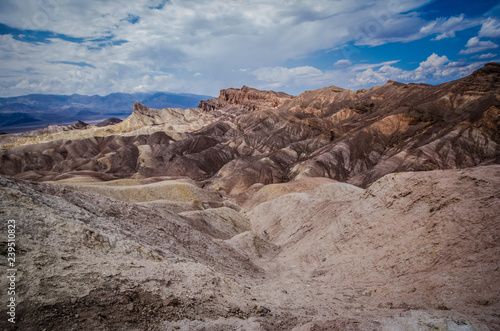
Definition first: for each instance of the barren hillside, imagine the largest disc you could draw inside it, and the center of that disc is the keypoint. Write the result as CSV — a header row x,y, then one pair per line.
x,y
332,210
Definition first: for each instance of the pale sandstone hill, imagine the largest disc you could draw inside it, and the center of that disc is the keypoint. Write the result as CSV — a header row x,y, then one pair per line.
x,y
11,139
90,262
143,120
425,241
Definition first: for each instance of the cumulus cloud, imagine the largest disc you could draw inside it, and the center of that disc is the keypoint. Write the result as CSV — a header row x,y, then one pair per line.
x,y
431,67
199,46
433,70
490,28
484,56
342,63
374,77
474,45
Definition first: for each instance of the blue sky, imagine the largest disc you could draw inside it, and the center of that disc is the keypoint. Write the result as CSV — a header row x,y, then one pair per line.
x,y
195,46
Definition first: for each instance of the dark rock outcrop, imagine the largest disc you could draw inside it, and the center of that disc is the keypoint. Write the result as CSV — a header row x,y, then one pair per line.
x,y
109,121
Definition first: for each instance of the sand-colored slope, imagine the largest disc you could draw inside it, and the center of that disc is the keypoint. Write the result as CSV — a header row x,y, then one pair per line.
x,y
413,251
89,262
145,190
424,240
142,121
320,187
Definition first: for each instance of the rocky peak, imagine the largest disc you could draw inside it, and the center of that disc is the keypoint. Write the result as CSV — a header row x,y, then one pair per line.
x,y
80,125
489,74
139,108
240,96
483,80
143,115
109,121
246,97
489,68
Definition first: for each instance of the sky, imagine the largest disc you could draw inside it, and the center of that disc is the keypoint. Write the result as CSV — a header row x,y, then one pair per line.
x,y
201,46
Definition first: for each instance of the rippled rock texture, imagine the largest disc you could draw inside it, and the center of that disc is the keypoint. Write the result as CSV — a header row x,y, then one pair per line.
x,y
248,136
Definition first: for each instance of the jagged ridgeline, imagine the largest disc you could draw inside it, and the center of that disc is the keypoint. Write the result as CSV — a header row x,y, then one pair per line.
x,y
247,136
35,111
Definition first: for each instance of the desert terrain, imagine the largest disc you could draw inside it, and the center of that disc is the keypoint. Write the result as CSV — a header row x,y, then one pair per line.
x,y
331,210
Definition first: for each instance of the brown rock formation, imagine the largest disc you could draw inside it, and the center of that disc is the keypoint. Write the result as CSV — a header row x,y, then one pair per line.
x,y
247,98
109,121
268,137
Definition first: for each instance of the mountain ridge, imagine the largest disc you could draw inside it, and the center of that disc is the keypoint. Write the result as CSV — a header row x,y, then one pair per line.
x,y
51,109
247,136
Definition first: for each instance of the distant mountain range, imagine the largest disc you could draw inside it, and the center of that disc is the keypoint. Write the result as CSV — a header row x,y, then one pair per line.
x,y
38,110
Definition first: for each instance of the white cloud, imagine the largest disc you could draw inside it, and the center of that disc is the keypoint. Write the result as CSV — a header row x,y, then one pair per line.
x,y
434,61
359,75
365,66
342,63
447,27
44,75
474,45
409,27
490,28
374,77
172,42
433,70
281,75
484,56
430,68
